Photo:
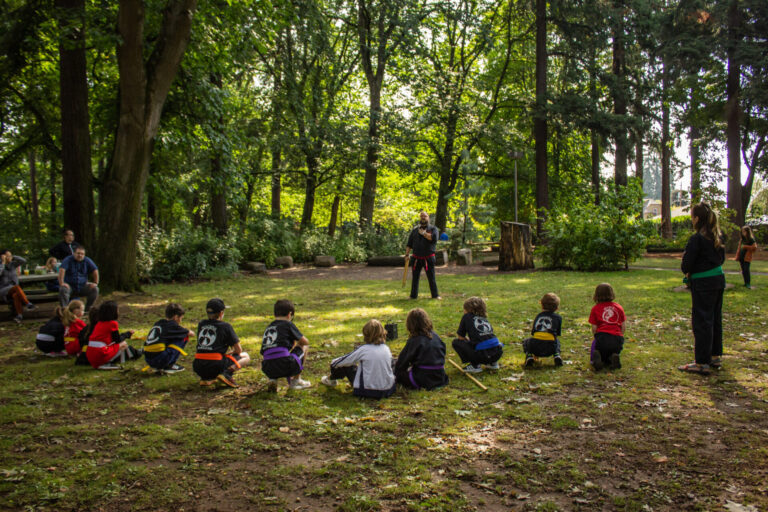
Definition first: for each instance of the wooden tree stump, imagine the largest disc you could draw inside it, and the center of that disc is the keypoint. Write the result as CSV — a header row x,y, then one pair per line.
x,y
515,251
386,261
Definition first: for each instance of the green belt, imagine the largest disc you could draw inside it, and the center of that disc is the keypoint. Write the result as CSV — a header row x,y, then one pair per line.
x,y
717,271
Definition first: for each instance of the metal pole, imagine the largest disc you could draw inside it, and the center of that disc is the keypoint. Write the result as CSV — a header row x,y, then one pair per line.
x,y
515,190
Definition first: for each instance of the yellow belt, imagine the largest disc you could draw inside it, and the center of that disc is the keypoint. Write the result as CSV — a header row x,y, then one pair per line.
x,y
547,336
159,347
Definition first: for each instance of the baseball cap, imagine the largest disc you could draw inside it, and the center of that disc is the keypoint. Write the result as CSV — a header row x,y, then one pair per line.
x,y
215,306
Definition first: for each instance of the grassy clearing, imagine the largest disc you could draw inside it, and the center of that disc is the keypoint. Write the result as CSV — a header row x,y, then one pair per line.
x,y
541,439
674,263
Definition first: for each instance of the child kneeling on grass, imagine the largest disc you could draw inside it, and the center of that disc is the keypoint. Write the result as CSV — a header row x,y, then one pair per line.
x,y
607,319
214,339
106,345
368,367
166,340
482,347
284,349
58,336
546,328
421,364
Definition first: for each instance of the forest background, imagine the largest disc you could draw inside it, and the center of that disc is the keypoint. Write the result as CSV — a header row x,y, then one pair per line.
x,y
178,138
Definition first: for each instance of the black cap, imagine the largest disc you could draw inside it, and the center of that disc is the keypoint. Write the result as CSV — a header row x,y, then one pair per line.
x,y
215,306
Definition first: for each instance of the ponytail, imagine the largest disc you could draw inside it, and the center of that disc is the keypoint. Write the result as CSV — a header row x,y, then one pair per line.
x,y
707,223
67,315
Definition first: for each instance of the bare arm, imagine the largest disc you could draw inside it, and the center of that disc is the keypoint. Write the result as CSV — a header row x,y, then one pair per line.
x,y
303,341
594,328
95,276
61,277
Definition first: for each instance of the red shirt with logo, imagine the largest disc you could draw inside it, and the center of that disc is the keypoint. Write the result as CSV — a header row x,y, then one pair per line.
x,y
72,336
608,317
102,347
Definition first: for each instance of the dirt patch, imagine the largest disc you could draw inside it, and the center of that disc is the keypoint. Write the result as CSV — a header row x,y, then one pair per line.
x,y
361,271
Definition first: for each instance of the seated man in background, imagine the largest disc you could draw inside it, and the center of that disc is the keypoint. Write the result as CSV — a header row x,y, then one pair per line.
x,y
74,275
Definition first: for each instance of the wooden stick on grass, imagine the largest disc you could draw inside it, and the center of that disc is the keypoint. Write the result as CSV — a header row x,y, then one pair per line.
x,y
405,272
480,384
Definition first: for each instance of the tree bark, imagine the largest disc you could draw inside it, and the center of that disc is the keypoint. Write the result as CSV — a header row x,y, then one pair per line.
x,y
143,88
733,121
218,184
620,102
595,165
515,249
448,172
33,196
310,190
540,117
694,133
639,158
276,149
666,155
77,178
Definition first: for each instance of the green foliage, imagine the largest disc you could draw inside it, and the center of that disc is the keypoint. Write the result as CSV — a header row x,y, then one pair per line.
x,y
184,254
604,237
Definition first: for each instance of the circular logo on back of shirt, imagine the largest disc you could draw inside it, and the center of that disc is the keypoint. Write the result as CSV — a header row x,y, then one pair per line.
x,y
270,336
543,324
154,335
207,336
610,315
482,325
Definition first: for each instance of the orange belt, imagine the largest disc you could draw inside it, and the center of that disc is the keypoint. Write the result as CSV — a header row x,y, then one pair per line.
x,y
215,356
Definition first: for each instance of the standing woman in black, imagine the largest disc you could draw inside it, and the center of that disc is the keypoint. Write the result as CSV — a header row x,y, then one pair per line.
x,y
702,266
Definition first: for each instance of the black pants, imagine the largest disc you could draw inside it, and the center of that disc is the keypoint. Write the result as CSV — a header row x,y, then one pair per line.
x,y
707,323
342,372
745,272
467,353
429,267
604,345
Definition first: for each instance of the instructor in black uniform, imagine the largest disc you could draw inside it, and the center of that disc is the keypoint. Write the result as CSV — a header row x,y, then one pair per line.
x,y
422,241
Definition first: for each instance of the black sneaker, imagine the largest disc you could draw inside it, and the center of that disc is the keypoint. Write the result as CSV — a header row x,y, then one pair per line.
x,y
717,363
615,362
31,307
174,368
226,378
529,361
558,361
597,363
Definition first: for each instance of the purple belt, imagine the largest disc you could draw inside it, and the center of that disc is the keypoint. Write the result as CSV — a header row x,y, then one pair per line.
x,y
426,367
278,352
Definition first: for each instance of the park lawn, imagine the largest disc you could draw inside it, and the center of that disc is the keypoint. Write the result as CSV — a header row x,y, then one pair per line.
x,y
540,439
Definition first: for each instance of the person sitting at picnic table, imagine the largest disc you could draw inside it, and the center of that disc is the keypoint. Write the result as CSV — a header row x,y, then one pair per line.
x,y
74,280
66,247
10,291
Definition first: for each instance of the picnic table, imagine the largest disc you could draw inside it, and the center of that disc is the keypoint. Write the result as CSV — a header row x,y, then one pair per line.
x,y
37,294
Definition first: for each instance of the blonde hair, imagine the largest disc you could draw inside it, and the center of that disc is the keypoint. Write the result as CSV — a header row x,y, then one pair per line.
x,y
750,233
418,323
476,306
707,223
50,264
374,333
67,315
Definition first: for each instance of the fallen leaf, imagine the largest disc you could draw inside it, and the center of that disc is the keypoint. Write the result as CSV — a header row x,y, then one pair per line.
x,y
732,506
660,459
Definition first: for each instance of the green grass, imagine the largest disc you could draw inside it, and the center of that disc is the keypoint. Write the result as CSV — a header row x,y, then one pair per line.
x,y
674,263
541,439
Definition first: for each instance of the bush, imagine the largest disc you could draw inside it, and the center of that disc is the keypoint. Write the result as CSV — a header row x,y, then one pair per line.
x,y
184,254
604,237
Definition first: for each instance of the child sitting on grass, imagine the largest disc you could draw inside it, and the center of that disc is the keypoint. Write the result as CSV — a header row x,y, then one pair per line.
x,y
607,319
72,319
421,364
284,349
166,340
373,376
106,345
482,347
58,336
546,328
214,339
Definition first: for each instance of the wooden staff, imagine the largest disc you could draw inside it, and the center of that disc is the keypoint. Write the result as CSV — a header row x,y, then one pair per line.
x,y
480,384
405,271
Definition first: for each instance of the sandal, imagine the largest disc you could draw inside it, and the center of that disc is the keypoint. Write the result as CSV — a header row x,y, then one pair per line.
x,y
701,369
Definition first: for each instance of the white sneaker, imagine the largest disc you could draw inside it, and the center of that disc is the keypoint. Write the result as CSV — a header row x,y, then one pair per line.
x,y
272,386
299,383
327,381
492,366
18,319
473,369
108,366
31,307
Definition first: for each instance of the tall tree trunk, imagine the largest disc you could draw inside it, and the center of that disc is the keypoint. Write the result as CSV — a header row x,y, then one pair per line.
x,y
595,165
368,196
334,215
666,155
309,191
540,116
620,101
276,149
218,177
733,120
52,184
77,178
33,196
276,182
639,158
447,169
694,133
143,88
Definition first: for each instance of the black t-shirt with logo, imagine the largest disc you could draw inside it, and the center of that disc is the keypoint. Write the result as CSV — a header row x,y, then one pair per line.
x,y
280,333
547,321
215,336
420,245
476,328
167,332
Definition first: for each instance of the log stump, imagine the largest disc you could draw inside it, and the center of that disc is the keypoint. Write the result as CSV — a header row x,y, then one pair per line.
x,y
284,261
256,267
515,251
325,261
441,257
464,257
386,261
